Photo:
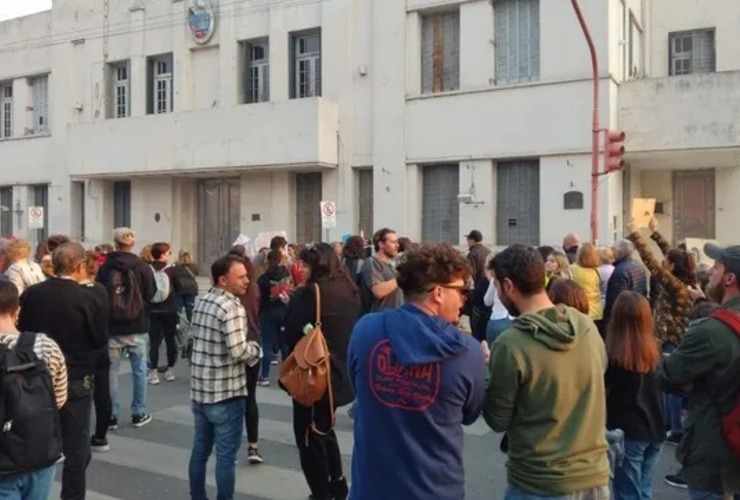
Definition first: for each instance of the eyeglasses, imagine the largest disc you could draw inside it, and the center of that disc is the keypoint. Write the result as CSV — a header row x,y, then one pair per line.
x,y
463,290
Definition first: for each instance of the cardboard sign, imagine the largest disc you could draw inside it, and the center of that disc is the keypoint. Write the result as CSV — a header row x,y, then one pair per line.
x,y
696,246
643,210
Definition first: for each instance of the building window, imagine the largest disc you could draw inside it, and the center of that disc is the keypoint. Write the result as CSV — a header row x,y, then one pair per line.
x,y
634,48
440,52
517,41
440,210
365,201
120,90
41,199
257,76
122,204
6,110
6,211
692,52
160,94
306,65
40,91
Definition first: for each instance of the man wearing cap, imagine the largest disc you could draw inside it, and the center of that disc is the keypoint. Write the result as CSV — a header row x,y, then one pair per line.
x,y
476,309
129,328
706,366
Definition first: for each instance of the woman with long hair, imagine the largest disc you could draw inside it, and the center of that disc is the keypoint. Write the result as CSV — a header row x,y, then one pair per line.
x,y
634,401
275,286
675,275
320,457
163,315
186,273
585,272
557,266
353,255
569,293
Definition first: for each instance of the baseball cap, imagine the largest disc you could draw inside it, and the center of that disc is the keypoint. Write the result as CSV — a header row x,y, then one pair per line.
x,y
729,256
124,235
474,235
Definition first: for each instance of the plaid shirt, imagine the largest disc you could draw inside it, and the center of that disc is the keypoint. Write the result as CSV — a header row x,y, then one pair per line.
x,y
220,348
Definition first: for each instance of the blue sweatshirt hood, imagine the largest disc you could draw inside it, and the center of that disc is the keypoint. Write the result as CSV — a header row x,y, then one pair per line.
x,y
418,338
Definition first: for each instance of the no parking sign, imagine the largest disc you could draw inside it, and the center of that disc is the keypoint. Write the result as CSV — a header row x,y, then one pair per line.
x,y
328,215
35,217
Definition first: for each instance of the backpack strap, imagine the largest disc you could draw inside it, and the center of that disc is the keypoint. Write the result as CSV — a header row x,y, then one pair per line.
x,y
24,346
318,304
729,318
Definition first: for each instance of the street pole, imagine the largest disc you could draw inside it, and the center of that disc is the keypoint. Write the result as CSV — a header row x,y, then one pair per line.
x,y
595,128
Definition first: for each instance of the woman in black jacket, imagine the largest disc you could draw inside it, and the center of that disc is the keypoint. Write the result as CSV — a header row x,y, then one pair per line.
x,y
340,308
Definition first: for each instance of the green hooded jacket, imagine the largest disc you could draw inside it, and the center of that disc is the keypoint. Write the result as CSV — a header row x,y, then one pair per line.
x,y
546,391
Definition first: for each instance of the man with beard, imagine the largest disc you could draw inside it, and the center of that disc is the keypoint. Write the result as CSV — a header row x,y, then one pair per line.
x,y
379,274
707,366
546,388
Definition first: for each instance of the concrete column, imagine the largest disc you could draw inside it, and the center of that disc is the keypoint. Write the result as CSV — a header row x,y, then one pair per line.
x,y
476,177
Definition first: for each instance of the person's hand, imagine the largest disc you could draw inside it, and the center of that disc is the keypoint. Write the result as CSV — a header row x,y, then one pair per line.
x,y
696,293
284,297
486,351
632,225
653,225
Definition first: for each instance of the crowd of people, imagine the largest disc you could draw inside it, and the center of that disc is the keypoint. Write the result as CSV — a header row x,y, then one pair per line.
x,y
587,359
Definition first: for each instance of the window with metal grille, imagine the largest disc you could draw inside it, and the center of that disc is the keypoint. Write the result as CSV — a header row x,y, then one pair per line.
x,y
6,211
6,110
160,89
517,41
120,90
518,202
40,92
122,204
440,210
308,191
365,200
306,65
258,77
692,52
440,52
41,199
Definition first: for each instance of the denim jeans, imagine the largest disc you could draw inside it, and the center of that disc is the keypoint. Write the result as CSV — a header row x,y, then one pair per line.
x,y
634,479
672,403
272,322
186,301
598,493
29,486
137,348
75,418
495,328
219,424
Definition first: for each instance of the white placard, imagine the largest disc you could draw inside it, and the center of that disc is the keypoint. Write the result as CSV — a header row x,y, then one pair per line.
x,y
35,217
328,215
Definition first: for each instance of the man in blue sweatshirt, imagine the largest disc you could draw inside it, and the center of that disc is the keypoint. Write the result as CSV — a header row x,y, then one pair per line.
x,y
417,380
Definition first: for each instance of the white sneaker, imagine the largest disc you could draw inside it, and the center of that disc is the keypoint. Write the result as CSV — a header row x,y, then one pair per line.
x,y
169,375
153,378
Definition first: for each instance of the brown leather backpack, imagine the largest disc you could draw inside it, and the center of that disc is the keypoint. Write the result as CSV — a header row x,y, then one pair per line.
x,y
306,373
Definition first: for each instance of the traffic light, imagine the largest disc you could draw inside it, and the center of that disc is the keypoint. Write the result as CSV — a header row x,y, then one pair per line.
x,y
613,150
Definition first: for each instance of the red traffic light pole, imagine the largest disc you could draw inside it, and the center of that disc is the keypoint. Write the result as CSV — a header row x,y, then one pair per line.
x,y
613,150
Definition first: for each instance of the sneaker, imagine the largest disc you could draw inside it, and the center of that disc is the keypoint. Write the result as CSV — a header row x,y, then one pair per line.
x,y
338,489
253,456
169,375
99,445
676,481
141,420
263,382
153,378
113,424
674,438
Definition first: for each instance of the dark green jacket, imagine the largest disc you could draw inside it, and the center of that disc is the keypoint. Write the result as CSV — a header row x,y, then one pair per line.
x,y
547,392
707,365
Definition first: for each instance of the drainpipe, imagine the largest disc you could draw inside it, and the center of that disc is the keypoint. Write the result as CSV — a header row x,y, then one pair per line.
x,y
595,127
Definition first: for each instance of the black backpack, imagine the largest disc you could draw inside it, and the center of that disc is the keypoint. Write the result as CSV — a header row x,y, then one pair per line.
x,y
30,429
124,294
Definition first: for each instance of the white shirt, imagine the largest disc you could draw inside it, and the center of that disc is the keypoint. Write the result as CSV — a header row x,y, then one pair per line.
x,y
491,299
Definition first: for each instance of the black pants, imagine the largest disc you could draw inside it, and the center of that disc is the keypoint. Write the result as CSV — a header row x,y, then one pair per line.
x,y
479,322
75,417
252,415
162,326
101,396
321,460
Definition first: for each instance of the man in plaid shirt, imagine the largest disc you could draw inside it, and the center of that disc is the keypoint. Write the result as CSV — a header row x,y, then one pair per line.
x,y
218,387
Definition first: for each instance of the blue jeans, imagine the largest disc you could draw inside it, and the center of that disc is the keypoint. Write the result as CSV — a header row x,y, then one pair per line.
x,y
219,423
634,479
672,403
137,355
186,301
598,493
29,486
495,328
272,322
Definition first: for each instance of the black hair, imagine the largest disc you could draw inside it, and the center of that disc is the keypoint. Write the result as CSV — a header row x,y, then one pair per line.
x,y
546,251
223,265
523,266
278,242
9,298
159,249
379,237
684,265
274,258
323,264
429,265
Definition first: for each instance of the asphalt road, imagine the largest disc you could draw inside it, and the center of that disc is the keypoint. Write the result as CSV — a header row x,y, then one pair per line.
x,y
151,463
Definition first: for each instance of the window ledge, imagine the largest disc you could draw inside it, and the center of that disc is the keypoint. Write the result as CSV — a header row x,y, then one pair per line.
x,y
31,136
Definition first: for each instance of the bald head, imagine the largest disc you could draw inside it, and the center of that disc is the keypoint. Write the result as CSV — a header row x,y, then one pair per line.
x,y
571,240
67,258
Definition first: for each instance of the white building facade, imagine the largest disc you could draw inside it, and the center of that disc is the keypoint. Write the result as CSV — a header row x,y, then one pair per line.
x,y
194,121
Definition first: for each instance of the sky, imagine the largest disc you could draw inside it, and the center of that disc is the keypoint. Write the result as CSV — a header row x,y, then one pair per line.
x,y
15,8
